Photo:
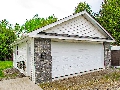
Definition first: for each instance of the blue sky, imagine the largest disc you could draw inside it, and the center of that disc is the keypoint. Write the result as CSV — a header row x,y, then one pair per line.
x,y
20,10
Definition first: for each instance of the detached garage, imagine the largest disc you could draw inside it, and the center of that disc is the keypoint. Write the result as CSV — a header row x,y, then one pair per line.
x,y
67,47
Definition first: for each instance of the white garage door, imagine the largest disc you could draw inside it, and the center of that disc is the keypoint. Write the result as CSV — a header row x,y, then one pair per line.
x,y
69,58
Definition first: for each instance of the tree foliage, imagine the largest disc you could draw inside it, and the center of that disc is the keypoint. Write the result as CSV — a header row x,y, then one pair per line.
x,y
83,6
37,22
33,24
7,36
109,18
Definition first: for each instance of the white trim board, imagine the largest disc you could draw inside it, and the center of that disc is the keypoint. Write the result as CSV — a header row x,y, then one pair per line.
x,y
72,38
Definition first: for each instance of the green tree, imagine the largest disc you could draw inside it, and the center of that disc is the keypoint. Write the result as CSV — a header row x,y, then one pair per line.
x,y
109,18
7,36
83,6
34,23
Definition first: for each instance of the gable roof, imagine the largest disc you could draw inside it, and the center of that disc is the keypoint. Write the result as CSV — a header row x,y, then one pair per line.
x,y
84,14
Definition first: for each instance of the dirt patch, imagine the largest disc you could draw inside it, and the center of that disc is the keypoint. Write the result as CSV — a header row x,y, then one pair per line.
x,y
108,79
12,73
14,80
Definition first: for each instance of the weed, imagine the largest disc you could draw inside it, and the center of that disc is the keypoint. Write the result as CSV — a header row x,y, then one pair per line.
x,y
5,65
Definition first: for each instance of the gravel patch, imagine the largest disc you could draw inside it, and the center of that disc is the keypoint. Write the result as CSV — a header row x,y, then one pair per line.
x,y
108,79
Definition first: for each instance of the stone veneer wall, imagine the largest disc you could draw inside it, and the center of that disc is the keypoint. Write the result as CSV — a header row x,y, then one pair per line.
x,y
107,55
43,60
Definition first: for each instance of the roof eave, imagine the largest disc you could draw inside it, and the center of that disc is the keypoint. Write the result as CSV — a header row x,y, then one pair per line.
x,y
61,37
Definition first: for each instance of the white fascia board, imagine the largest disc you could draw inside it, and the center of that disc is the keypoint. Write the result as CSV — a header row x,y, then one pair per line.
x,y
72,38
54,24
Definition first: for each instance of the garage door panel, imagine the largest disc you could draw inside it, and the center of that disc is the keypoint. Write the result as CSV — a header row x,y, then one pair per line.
x,y
71,58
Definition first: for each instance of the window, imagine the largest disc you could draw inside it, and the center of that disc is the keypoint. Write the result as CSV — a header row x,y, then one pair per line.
x,y
17,50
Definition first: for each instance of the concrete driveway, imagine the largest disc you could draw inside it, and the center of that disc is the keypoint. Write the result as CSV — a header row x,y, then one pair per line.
x,y
18,84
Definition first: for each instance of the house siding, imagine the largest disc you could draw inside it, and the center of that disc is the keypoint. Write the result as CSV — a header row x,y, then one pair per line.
x,y
115,56
20,55
43,64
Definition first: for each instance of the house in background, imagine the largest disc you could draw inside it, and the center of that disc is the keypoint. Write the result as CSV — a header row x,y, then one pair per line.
x,y
115,56
72,45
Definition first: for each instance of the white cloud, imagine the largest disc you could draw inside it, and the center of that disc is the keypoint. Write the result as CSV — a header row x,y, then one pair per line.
x,y
20,10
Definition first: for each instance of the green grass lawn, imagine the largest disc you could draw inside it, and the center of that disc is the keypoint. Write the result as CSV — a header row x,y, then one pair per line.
x,y
5,65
